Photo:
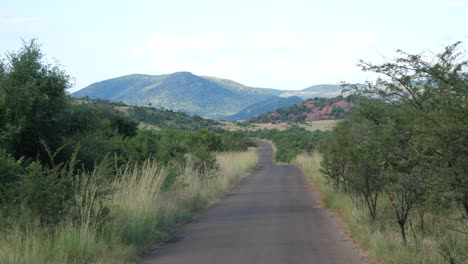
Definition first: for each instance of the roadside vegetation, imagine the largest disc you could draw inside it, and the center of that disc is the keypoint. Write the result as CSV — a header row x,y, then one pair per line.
x,y
291,142
396,169
138,211
82,183
323,125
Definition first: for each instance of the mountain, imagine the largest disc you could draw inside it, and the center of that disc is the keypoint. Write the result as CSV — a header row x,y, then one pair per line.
x,y
235,85
208,97
321,90
311,110
274,92
182,91
264,107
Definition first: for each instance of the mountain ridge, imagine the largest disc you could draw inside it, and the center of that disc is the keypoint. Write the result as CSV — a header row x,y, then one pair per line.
x,y
181,91
206,96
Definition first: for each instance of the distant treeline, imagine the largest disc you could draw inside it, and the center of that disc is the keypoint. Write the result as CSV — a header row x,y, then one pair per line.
x,y
291,142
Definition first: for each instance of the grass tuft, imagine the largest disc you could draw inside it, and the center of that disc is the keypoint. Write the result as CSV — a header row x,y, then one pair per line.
x,y
137,215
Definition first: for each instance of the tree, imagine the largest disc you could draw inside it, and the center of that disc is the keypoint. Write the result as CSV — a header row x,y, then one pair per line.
x,y
434,93
353,156
33,100
424,131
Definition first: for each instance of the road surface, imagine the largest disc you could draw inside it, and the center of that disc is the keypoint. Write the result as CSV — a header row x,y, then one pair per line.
x,y
273,216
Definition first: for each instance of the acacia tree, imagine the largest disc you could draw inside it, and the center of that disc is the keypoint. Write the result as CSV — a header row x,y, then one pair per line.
x,y
434,92
352,157
335,161
428,135
33,100
33,104
408,176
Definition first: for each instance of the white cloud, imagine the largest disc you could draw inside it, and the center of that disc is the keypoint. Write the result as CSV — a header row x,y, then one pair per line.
x,y
201,43
138,52
270,42
333,69
284,61
359,38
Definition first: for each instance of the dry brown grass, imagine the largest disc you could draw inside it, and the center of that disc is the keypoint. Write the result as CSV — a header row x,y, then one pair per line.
x,y
309,126
140,215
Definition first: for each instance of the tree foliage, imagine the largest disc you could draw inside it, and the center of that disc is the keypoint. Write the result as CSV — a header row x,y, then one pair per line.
x,y
32,101
409,139
291,142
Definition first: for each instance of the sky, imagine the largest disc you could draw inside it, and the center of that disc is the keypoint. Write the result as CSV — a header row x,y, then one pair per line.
x,y
286,45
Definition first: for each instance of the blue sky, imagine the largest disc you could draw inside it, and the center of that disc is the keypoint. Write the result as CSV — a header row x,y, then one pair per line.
x,y
277,44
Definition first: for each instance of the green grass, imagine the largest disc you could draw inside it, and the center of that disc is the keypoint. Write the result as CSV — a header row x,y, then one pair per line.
x,y
139,215
381,240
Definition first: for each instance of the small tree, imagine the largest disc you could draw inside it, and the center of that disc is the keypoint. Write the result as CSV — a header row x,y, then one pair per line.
x,y
353,156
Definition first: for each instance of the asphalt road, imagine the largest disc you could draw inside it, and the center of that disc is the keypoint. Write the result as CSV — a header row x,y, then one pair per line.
x,y
273,216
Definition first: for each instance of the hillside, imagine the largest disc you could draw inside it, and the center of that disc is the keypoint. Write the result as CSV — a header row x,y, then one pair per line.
x,y
153,117
264,107
182,91
311,110
321,90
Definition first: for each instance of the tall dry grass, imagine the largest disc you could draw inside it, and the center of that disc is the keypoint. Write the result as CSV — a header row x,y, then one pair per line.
x,y
382,240
137,214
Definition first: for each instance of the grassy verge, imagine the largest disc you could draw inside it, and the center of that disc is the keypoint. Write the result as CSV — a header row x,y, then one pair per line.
x,y
135,216
381,240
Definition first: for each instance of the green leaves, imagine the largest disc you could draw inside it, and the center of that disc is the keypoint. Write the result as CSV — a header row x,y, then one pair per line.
x,y
32,101
413,134
291,142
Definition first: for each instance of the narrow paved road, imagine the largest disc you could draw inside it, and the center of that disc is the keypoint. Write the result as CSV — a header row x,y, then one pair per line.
x,y
273,216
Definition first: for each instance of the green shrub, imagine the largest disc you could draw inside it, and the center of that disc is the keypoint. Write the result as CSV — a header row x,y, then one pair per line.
x,y
291,142
10,174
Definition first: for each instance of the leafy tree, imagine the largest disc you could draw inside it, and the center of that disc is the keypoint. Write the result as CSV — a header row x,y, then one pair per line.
x,y
353,156
32,101
410,141
434,93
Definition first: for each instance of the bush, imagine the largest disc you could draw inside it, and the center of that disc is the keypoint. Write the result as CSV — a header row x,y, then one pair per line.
x,y
291,142
10,175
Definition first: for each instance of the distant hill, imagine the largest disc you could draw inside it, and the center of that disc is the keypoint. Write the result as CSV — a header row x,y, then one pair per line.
x,y
322,90
311,110
275,92
182,91
264,107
